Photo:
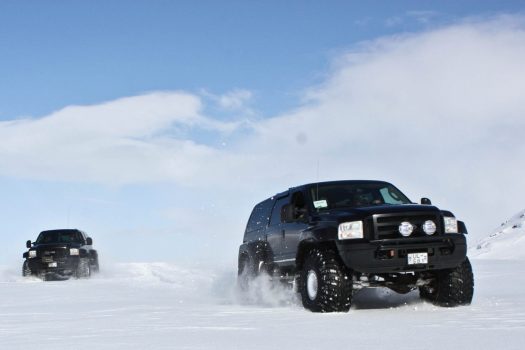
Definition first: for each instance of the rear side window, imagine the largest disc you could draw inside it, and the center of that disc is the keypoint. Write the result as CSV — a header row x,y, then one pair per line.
x,y
260,216
276,213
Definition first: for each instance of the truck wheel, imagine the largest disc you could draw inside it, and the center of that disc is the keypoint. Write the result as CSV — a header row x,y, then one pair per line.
x,y
246,272
26,271
451,287
83,269
95,267
324,283
428,293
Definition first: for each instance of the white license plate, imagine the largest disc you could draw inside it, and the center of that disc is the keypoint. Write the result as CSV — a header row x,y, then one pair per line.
x,y
417,258
52,264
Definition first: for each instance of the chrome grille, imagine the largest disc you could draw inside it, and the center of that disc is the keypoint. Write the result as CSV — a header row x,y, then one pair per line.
x,y
54,253
47,259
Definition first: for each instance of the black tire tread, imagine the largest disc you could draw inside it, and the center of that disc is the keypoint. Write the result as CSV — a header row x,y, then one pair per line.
x,y
25,270
95,268
246,272
83,269
452,287
335,283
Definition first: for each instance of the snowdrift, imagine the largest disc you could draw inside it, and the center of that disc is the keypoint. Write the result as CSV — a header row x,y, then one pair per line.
x,y
506,242
190,282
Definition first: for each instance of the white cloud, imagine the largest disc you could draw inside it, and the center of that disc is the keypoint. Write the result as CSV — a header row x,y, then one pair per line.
x,y
441,113
122,141
236,99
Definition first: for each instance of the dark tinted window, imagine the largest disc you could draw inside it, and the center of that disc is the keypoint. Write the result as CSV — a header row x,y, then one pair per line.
x,y
60,236
299,204
355,195
260,216
276,212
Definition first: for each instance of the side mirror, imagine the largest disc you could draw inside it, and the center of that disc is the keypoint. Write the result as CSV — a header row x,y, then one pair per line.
x,y
89,241
462,228
287,213
425,201
28,244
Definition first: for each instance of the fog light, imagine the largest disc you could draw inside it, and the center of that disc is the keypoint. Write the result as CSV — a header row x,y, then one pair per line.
x,y
406,228
429,227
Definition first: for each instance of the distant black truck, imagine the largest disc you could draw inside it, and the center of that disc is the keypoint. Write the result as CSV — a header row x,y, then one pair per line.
x,y
60,254
332,238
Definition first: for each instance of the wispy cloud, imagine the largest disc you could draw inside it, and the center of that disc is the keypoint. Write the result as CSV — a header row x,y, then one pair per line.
x,y
423,16
394,21
235,100
117,142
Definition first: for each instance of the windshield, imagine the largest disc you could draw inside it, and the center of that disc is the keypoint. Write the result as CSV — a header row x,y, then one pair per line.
x,y
355,195
59,237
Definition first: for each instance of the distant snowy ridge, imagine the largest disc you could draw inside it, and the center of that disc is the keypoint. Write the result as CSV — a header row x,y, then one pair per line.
x,y
505,242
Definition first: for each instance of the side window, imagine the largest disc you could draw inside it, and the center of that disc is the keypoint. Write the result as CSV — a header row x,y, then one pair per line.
x,y
276,212
299,204
260,216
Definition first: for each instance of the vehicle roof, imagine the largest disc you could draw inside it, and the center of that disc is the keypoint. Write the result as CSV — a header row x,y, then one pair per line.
x,y
340,182
62,230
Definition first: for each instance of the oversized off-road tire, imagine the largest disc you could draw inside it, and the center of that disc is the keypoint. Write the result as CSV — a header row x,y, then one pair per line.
x,y
26,271
83,269
324,283
246,272
428,292
452,287
94,266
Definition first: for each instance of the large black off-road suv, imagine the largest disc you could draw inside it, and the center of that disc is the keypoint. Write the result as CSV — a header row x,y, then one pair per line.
x,y
58,254
332,238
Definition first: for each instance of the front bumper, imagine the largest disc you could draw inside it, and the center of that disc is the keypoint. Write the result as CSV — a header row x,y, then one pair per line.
x,y
390,255
65,266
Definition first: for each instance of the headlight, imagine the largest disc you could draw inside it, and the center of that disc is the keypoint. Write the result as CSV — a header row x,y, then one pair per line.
x,y
73,251
451,224
32,253
429,227
350,230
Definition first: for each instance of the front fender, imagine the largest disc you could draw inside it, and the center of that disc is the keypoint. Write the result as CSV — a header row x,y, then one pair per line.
x,y
319,233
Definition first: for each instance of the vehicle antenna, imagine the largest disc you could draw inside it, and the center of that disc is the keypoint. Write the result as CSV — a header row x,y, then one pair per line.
x,y
68,211
317,181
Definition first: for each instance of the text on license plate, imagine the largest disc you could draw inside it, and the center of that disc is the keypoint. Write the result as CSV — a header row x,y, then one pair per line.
x,y
52,264
417,258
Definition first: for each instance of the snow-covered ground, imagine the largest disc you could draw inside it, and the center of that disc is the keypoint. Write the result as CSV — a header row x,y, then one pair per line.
x,y
164,306
170,306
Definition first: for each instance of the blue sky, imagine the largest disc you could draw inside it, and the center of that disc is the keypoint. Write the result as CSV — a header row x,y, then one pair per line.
x,y
57,53
157,125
